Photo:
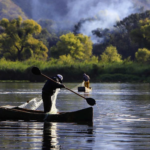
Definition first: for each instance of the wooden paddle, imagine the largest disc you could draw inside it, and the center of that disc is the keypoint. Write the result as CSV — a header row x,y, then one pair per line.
x,y
90,101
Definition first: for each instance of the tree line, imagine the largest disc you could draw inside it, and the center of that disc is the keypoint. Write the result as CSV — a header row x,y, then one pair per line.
x,y
128,36
129,40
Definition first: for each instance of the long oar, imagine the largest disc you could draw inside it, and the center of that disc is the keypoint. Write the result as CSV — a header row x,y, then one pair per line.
x,y
90,101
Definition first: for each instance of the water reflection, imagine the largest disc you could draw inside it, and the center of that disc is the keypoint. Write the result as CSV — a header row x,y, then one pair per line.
x,y
50,138
86,95
121,120
64,136
20,135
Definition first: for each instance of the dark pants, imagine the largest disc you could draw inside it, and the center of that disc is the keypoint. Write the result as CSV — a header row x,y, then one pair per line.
x,y
47,103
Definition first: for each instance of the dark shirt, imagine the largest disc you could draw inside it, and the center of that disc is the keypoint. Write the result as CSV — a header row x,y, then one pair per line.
x,y
86,78
50,87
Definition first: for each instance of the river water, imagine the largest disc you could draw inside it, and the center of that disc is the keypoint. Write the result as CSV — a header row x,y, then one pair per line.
x,y
121,119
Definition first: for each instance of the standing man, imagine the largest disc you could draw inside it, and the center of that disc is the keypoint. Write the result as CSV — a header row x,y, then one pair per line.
x,y
49,90
86,79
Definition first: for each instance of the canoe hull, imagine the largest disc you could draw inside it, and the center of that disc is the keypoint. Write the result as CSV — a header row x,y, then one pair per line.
x,y
15,114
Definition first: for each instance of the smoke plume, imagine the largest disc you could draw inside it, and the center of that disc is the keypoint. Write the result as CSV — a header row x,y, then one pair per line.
x,y
68,13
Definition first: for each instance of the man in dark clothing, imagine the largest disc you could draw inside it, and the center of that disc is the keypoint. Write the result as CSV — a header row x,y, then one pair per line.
x,y
86,79
49,90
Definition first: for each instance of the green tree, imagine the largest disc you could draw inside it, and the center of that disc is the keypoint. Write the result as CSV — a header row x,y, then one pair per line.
x,y
120,36
141,34
77,46
47,38
50,25
17,41
111,55
66,59
143,55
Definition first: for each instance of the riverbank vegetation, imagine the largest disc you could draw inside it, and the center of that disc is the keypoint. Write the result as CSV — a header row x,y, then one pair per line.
x,y
123,56
73,71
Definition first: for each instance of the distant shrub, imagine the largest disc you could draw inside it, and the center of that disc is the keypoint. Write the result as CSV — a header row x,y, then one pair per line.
x,y
118,78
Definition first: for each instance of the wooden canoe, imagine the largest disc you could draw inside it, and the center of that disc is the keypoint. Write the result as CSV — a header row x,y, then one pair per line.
x,y
84,89
16,114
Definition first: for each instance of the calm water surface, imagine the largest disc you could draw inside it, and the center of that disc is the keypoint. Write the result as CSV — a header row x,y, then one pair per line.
x,y
121,119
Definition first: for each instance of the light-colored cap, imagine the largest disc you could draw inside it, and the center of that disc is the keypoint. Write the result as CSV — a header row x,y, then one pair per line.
x,y
60,76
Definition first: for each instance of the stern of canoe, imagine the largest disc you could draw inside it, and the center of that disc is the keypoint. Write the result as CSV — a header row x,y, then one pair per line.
x,y
83,115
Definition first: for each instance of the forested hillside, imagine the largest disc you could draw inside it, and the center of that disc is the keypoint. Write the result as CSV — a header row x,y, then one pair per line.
x,y
8,9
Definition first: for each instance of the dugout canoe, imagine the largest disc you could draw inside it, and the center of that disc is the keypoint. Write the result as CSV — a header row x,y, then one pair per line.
x,y
15,114
84,89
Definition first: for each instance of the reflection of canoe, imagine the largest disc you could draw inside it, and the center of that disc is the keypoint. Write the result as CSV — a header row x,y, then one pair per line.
x,y
84,89
15,113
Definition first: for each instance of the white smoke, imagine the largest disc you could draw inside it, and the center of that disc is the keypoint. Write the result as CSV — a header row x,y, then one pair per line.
x,y
105,12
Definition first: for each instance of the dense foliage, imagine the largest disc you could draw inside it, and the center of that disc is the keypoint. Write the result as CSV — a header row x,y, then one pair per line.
x,y
73,70
141,34
77,46
110,55
143,56
121,54
17,42
121,35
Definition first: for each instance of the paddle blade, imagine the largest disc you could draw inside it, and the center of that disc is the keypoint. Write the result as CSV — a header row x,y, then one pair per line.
x,y
91,101
36,71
